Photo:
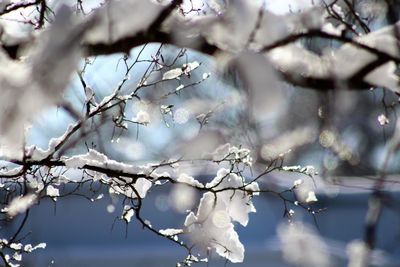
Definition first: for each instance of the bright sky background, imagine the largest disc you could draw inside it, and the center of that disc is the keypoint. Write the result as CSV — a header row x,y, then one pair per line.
x,y
283,6
275,6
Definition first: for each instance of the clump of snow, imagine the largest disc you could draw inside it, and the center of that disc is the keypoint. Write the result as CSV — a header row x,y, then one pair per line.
x,y
37,83
238,202
52,191
122,19
96,159
93,157
307,170
285,142
16,246
297,182
206,75
383,120
184,178
171,232
187,68
127,213
142,117
358,252
232,153
212,225
11,172
292,168
30,248
172,74
329,28
311,197
180,87
178,72
20,204
302,246
124,186
294,60
182,198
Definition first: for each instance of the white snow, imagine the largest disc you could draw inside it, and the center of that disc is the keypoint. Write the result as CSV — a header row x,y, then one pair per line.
x,y
171,231
122,19
172,74
212,226
52,191
124,186
299,62
297,182
20,204
302,246
142,117
187,179
209,229
128,213
311,197
358,252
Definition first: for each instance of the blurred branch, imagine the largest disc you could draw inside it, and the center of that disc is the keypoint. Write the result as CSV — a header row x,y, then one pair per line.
x,y
327,83
154,34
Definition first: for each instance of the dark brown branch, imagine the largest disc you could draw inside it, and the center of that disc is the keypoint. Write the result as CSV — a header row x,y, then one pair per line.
x,y
57,163
16,6
155,35
324,35
126,44
357,17
43,7
356,82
